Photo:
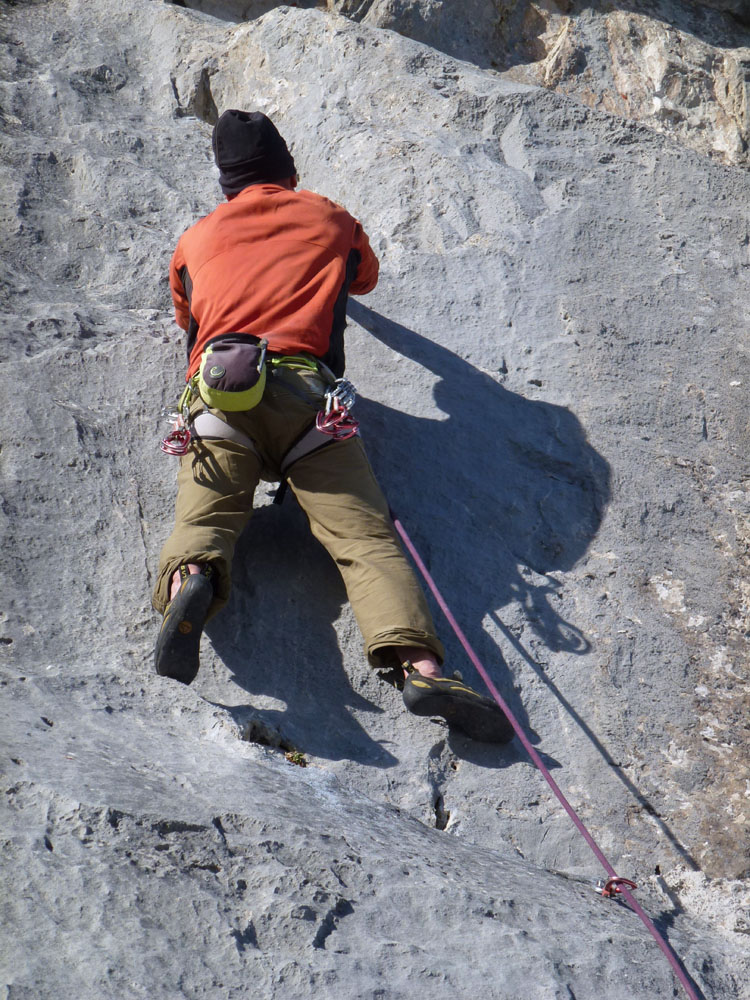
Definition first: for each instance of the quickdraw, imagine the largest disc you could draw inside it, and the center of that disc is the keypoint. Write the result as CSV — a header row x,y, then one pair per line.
x,y
178,440
613,886
336,420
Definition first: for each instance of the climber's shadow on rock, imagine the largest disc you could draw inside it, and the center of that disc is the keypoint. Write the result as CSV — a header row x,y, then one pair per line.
x,y
498,493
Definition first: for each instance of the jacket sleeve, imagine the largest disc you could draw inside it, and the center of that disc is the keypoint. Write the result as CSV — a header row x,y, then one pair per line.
x,y
367,273
179,295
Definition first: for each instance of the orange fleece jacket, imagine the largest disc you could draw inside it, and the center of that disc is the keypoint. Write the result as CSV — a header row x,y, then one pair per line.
x,y
270,262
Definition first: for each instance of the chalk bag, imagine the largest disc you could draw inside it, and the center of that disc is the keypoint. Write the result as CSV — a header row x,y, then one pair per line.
x,y
232,375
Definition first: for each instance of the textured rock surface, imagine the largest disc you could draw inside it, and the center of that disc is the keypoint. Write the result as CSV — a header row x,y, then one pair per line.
x,y
557,347
681,67
197,877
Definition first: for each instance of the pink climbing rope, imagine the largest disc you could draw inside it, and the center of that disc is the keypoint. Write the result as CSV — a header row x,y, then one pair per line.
x,y
615,885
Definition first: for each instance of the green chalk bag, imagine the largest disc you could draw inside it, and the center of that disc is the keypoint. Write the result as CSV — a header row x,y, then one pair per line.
x,y
232,375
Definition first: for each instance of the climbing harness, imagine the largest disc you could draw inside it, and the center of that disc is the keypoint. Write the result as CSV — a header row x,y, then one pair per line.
x,y
333,422
615,886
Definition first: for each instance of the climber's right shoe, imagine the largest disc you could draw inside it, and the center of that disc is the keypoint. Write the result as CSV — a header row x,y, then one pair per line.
x,y
177,653
464,709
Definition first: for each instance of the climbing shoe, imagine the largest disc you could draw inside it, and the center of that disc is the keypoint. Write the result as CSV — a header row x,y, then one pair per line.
x,y
469,712
177,653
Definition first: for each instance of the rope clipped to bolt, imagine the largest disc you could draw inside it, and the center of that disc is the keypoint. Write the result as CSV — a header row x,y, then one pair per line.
x,y
615,886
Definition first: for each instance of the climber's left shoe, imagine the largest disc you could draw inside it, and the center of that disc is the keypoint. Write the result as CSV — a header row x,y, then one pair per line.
x,y
464,709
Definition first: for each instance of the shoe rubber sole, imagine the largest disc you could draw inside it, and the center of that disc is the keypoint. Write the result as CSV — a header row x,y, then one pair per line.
x,y
177,652
477,717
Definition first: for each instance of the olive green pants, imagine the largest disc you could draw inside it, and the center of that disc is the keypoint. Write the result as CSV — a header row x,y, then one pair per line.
x,y
338,492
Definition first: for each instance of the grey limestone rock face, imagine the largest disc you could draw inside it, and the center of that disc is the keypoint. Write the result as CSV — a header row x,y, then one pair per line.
x,y
680,66
553,385
131,858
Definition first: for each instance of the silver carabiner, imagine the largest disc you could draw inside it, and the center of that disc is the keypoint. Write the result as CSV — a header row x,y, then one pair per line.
x,y
342,397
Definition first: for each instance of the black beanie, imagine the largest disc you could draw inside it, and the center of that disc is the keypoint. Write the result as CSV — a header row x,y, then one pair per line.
x,y
249,150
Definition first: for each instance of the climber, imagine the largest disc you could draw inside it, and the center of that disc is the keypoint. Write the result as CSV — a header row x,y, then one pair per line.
x,y
260,286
